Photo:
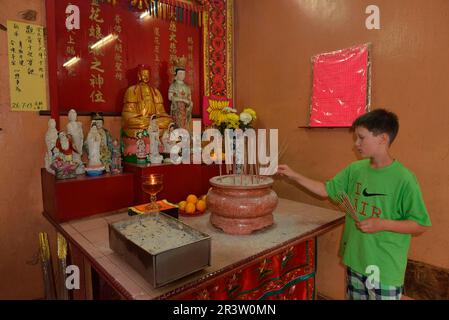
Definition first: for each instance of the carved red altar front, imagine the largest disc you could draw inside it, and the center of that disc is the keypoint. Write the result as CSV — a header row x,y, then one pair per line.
x,y
289,275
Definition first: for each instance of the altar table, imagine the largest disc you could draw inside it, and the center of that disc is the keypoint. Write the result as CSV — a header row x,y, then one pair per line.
x,y
275,263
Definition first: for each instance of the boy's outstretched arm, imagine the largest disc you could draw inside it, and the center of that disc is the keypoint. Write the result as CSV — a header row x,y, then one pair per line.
x,y
373,225
317,187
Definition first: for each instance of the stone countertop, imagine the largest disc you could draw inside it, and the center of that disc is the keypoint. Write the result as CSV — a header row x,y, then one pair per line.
x,y
294,223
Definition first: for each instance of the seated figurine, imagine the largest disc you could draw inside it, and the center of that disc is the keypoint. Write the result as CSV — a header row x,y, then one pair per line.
x,y
63,163
140,102
166,142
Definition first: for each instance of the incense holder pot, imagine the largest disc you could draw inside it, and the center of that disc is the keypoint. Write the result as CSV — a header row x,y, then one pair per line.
x,y
241,204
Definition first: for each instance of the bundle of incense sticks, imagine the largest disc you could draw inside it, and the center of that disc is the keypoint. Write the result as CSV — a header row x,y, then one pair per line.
x,y
47,269
62,259
344,202
247,168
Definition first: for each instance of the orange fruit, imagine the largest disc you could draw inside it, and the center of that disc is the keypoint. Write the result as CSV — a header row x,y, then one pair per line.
x,y
201,206
190,208
191,198
182,205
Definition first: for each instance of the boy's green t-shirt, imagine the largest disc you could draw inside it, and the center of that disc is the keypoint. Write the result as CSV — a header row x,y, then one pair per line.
x,y
391,193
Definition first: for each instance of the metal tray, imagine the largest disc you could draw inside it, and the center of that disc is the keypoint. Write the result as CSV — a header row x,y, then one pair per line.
x,y
161,248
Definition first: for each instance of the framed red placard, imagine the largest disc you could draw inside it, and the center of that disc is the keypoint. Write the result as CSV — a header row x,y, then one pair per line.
x,y
341,87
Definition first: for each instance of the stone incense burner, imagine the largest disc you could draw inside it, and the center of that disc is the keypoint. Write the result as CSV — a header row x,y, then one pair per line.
x,y
241,204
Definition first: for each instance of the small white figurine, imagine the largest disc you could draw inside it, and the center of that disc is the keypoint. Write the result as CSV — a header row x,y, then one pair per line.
x,y
50,140
155,143
106,140
75,129
116,166
166,138
94,167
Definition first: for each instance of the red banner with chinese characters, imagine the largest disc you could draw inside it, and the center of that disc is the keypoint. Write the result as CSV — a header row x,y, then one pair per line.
x,y
341,88
98,79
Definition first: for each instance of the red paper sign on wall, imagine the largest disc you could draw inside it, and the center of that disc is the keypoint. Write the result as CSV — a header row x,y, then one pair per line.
x,y
341,87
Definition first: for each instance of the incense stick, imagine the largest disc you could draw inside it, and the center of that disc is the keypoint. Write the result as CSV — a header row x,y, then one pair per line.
x,y
345,203
47,269
283,150
62,257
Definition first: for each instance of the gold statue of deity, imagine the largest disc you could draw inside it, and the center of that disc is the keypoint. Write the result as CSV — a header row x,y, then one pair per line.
x,y
141,101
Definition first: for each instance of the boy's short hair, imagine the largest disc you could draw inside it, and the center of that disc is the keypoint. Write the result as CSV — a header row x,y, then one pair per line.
x,y
379,121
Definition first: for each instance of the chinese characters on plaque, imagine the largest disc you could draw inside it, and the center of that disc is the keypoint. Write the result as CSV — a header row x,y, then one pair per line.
x,y
27,67
96,68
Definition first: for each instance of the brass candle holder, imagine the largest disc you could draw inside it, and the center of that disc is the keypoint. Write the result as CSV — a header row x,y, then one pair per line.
x,y
152,184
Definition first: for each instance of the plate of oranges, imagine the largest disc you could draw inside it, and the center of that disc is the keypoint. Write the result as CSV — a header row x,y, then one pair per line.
x,y
192,206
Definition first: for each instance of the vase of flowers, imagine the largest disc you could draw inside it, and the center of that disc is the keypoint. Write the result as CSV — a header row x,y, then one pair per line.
x,y
228,118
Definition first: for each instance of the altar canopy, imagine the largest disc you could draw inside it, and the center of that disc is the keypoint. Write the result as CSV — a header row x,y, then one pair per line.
x,y
341,87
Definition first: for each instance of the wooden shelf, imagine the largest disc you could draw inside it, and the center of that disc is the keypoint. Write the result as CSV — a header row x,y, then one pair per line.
x,y
84,196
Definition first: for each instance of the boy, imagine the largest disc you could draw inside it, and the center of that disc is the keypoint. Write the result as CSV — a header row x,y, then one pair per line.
x,y
388,204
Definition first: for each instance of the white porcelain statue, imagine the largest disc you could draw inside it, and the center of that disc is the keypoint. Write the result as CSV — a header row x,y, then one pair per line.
x,y
50,141
155,143
75,129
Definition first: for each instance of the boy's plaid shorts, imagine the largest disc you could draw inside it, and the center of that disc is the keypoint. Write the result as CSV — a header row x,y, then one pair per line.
x,y
357,288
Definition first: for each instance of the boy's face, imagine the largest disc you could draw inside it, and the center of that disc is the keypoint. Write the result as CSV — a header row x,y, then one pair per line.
x,y
368,144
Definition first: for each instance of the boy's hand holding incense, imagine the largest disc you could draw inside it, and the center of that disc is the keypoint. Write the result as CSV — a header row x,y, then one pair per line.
x,y
285,170
371,225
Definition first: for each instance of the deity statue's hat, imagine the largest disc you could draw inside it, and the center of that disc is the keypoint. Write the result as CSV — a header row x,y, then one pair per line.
x,y
179,63
141,67
97,116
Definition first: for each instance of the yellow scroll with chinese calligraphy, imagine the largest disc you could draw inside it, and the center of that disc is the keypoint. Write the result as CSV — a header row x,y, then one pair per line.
x,y
27,67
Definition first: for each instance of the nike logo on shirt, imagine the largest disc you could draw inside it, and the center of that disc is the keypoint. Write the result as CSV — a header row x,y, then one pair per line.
x,y
366,194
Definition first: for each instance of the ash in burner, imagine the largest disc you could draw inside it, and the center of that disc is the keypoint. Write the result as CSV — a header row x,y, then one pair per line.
x,y
243,180
156,235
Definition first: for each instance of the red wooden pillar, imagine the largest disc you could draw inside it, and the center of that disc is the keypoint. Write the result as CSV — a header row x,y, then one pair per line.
x,y
52,58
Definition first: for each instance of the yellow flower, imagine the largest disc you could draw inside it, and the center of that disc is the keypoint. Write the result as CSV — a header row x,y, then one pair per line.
x,y
251,112
232,117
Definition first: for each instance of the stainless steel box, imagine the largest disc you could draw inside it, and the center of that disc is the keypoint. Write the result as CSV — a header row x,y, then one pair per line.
x,y
162,249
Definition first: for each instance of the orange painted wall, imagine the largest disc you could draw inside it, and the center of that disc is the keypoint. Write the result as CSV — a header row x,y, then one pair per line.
x,y
274,43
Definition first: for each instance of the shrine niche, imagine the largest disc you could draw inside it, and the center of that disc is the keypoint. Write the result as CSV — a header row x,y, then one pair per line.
x,y
95,47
